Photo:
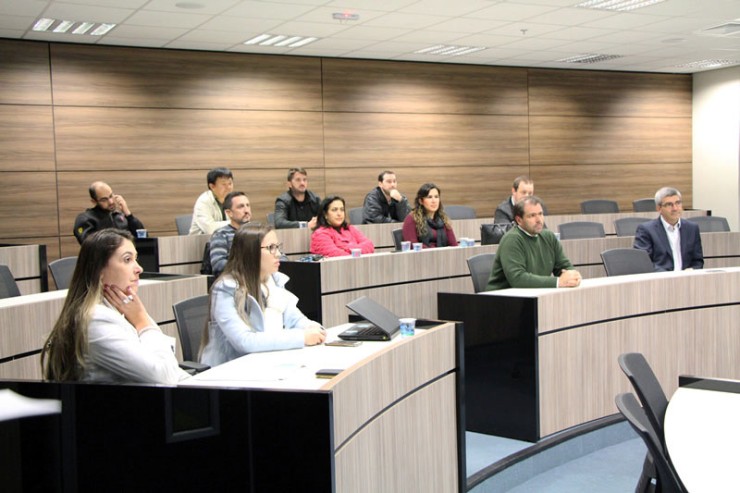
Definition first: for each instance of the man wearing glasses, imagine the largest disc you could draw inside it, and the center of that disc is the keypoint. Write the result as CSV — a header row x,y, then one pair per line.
x,y
108,211
672,243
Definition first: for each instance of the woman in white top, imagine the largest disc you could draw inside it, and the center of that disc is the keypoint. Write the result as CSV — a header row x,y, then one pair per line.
x,y
104,333
250,309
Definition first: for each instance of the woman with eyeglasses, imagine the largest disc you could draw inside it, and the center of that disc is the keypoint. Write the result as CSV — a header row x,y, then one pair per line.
x,y
334,237
250,309
428,224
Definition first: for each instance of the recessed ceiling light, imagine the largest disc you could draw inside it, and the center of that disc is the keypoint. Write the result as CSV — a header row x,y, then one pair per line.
x,y
617,5
71,27
281,40
588,58
345,16
449,50
708,64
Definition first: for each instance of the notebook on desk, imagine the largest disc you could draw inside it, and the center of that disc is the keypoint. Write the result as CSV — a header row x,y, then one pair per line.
x,y
381,325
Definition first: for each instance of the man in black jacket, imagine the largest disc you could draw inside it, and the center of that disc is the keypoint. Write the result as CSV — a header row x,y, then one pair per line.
x,y
385,204
108,211
298,206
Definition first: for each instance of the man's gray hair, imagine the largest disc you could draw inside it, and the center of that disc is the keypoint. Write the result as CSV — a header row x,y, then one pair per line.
x,y
665,192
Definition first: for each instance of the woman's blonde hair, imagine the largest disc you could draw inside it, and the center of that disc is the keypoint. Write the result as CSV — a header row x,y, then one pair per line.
x,y
63,354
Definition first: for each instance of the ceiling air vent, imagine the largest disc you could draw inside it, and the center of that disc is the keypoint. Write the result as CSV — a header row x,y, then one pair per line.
x,y
590,58
726,29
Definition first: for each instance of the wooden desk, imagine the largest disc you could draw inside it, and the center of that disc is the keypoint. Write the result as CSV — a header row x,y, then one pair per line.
x,y
390,422
395,409
406,283
702,434
541,360
26,321
28,265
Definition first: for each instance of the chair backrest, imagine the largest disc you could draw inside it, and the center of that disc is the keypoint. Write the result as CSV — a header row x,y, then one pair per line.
x,y
271,218
8,286
183,224
648,389
643,205
397,238
480,267
668,480
191,316
626,226
624,261
581,229
62,270
491,234
355,215
599,206
460,212
711,224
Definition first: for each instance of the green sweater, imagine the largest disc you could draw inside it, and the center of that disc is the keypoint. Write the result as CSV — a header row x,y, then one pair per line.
x,y
524,261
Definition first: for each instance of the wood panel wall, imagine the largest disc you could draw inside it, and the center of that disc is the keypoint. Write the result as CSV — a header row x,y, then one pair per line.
x,y
153,122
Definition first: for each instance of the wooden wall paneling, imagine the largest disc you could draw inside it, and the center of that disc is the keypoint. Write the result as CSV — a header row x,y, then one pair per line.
x,y
385,140
481,187
590,140
609,94
24,73
28,205
131,77
564,186
403,87
26,138
134,138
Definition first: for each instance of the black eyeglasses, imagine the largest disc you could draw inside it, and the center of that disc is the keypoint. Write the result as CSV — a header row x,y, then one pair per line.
x,y
273,248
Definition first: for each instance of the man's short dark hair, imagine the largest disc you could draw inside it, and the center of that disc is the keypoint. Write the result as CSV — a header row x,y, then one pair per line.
x,y
529,200
217,173
381,176
93,193
293,171
230,197
521,179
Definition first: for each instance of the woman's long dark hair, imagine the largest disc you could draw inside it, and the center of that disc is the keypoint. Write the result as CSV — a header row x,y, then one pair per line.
x,y
321,220
63,354
420,213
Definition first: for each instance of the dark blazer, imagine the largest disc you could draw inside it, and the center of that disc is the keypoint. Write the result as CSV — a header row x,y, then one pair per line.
x,y
651,237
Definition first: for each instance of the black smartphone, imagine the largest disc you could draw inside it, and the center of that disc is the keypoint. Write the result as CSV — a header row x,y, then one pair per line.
x,y
328,372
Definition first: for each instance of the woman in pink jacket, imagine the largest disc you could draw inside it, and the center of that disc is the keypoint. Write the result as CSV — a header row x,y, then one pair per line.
x,y
334,237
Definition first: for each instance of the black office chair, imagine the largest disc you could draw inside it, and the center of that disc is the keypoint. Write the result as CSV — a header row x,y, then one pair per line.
x,y
460,212
581,229
397,238
644,205
667,480
355,215
599,206
625,261
8,286
191,316
62,270
271,218
626,226
183,224
710,224
480,267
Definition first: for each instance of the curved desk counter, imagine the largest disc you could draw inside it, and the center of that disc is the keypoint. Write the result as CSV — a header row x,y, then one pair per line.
x,y
702,433
539,361
394,412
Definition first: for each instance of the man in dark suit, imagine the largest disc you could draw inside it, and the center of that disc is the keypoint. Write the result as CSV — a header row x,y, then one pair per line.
x,y
672,243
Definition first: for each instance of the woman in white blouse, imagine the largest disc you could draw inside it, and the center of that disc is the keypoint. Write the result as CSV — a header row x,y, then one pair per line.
x,y
104,333
250,309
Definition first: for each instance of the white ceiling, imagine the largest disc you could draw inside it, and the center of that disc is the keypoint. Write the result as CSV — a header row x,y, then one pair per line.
x,y
530,33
